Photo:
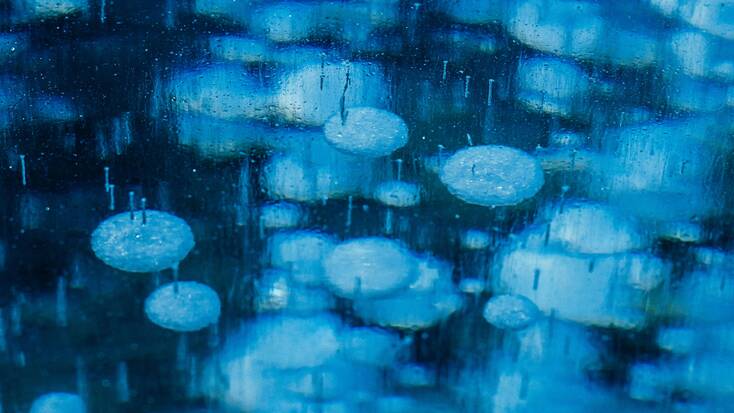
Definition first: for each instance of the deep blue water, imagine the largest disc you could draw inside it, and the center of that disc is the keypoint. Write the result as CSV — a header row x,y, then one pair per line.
x,y
595,200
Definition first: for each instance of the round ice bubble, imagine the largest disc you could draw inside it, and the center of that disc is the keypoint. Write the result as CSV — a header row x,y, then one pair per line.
x,y
509,311
134,246
280,215
475,239
293,342
398,194
301,178
58,403
302,253
337,379
371,346
366,131
472,285
409,311
183,306
369,267
592,228
552,86
433,275
492,175
276,291
313,93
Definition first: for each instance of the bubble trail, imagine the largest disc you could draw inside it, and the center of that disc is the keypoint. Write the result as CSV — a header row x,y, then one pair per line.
x,y
22,170
61,303
3,340
489,91
112,197
82,383
16,319
143,201
131,201
123,387
399,163
350,206
107,179
443,75
466,86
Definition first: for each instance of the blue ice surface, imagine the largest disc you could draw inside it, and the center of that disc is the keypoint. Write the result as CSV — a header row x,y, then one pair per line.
x,y
134,246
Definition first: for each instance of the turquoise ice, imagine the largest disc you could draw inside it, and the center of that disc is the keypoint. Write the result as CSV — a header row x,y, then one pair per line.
x,y
134,246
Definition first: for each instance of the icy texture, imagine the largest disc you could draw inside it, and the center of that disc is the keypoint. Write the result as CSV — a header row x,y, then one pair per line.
x,y
280,215
183,306
492,175
366,131
302,253
367,267
398,194
510,312
313,93
553,86
58,403
129,245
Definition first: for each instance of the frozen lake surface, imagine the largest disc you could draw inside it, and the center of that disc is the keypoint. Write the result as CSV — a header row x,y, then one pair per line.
x,y
509,206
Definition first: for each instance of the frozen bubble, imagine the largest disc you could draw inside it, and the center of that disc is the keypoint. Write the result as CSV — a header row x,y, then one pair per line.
x,y
471,285
272,291
283,21
705,296
287,342
313,93
367,267
681,231
509,311
238,11
414,375
492,175
433,275
475,239
650,382
678,340
276,291
280,215
336,380
712,16
566,139
371,346
302,253
26,10
603,290
474,11
552,86
569,28
314,171
216,137
183,306
366,131
222,91
133,246
58,403
591,228
696,95
398,194
555,159
662,169
409,310
239,48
